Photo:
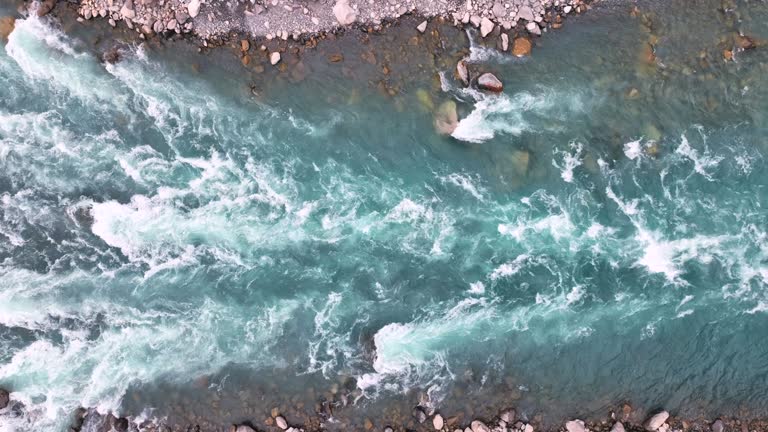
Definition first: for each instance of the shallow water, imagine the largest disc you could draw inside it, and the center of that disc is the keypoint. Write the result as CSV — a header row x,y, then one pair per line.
x,y
173,246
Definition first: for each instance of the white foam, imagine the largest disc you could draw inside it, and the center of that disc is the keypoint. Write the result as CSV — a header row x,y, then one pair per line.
x,y
571,160
477,288
701,162
633,150
466,183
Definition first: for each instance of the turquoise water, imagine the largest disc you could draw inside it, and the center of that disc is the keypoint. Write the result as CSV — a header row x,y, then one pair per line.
x,y
167,236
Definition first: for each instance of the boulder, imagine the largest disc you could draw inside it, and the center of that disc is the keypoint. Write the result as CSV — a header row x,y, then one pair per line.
x,y
7,24
478,426
419,413
281,423
422,27
438,422
718,426
656,421
274,58
462,71
127,11
486,27
508,416
525,13
618,427
521,47
5,398
344,13
575,426
193,8
504,42
488,81
46,6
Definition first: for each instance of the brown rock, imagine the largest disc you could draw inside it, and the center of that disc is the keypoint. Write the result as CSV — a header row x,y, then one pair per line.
x,y
521,47
728,55
5,398
335,58
488,81
275,412
245,45
745,42
368,424
7,24
246,59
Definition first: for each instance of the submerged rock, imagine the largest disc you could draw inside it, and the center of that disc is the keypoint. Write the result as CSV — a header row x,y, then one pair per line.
x,y
7,24
446,121
46,6
488,81
521,47
575,426
418,413
656,421
344,13
508,416
5,398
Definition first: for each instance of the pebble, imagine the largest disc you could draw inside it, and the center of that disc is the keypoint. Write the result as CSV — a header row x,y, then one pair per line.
x,y
477,425
438,422
618,427
575,426
274,58
656,421
280,420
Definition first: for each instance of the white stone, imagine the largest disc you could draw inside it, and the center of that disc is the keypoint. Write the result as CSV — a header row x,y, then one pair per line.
x,y
478,426
486,27
437,420
193,8
567,9
528,428
422,27
655,422
280,420
618,427
504,42
533,28
344,13
274,58
525,13
575,426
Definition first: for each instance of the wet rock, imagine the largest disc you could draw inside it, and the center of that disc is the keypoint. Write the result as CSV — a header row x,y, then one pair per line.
x,y
656,421
121,424
745,42
274,58
344,13
718,426
618,427
111,56
478,426
462,71
46,6
438,422
368,424
422,27
5,398
488,81
504,42
7,24
193,8
486,27
575,426
281,423
521,47
418,413
508,416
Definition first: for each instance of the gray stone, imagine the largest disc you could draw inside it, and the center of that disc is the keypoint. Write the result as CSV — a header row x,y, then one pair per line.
x,y
508,416
656,421
575,426
718,426
5,398
419,415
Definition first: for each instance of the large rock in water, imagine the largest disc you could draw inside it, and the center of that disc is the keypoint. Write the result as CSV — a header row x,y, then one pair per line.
x,y
575,426
655,422
488,81
446,121
521,47
344,13
5,398
7,24
462,71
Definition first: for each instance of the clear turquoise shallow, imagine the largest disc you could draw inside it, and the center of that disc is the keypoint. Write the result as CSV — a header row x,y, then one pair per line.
x,y
159,225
